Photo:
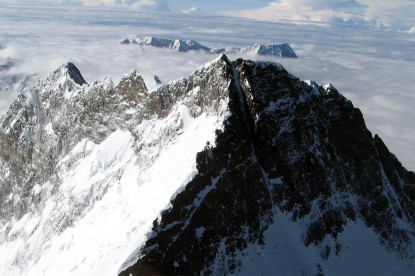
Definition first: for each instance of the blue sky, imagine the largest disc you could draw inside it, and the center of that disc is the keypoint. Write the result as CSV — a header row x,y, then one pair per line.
x,y
217,5
211,6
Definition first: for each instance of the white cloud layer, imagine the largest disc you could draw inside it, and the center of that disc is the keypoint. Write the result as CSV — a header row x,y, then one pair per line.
x,y
191,10
138,5
141,5
398,14
372,68
394,14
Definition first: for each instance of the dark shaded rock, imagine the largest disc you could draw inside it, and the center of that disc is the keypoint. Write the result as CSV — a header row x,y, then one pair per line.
x,y
156,79
74,73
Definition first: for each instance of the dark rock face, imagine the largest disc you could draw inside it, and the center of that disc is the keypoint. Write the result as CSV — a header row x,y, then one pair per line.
x,y
74,73
288,146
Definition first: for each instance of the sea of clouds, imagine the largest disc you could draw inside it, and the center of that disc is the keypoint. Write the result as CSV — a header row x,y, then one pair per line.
x,y
372,66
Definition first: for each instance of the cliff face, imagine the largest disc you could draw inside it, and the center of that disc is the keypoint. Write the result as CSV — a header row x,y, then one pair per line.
x,y
287,148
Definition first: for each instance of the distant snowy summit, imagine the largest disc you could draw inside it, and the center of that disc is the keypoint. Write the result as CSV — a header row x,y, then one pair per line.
x,y
177,45
281,50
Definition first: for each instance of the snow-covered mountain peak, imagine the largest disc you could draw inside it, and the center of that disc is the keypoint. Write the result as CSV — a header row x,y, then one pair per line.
x,y
69,71
280,50
328,87
63,83
188,45
177,44
132,74
217,63
236,165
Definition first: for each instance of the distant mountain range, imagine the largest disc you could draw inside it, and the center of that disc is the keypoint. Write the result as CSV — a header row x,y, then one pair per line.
x,y
281,50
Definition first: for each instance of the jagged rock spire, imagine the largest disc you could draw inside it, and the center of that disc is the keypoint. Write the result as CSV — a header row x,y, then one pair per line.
x,y
131,86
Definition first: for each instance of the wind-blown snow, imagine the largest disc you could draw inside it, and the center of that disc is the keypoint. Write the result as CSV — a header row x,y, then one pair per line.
x,y
107,201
